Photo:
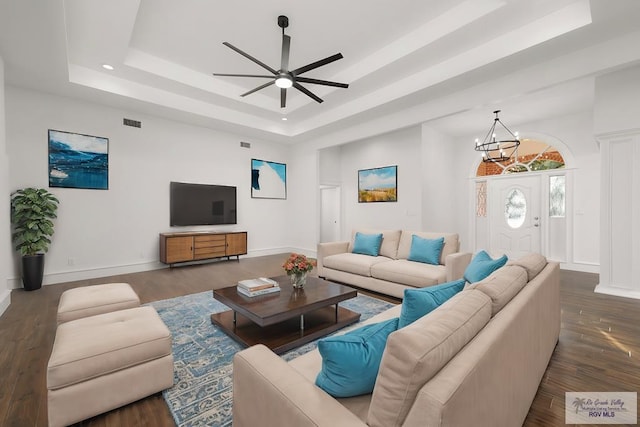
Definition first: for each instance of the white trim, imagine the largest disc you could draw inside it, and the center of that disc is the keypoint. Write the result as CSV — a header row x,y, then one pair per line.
x,y
618,292
582,267
5,300
627,133
94,273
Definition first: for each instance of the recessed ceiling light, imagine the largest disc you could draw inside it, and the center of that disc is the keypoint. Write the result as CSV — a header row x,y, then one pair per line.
x,y
284,119
107,67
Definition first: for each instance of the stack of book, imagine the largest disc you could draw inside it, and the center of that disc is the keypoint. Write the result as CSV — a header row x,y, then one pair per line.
x,y
255,287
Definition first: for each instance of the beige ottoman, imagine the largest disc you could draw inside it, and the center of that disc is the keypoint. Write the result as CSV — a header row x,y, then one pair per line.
x,y
102,362
97,299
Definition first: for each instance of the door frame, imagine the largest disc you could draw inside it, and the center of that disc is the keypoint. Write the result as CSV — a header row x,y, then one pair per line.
x,y
544,209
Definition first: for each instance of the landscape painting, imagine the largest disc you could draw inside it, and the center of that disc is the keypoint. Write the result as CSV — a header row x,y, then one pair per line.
x,y
78,161
378,184
268,179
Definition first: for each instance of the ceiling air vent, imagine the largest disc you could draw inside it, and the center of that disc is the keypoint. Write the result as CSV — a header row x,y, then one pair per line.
x,y
132,123
245,144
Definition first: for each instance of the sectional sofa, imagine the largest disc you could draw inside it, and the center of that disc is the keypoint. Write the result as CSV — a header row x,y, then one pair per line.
x,y
391,272
476,360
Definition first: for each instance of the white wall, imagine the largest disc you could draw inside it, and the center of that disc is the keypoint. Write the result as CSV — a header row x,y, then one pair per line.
x,y
442,193
617,104
402,148
5,223
100,232
330,166
302,226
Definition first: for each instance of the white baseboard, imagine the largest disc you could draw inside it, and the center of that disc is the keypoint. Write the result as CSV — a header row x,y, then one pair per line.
x,y
264,252
585,268
5,300
618,292
94,273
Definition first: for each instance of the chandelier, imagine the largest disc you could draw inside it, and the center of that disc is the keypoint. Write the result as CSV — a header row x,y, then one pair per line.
x,y
498,150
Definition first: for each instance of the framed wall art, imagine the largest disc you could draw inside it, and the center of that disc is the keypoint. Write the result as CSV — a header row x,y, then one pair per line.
x,y
78,161
378,184
268,179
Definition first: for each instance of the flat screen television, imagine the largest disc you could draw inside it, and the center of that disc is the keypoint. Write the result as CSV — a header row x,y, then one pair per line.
x,y
202,204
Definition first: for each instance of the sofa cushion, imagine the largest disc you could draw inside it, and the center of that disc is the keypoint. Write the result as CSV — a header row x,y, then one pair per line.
x,y
534,263
367,244
102,344
426,250
390,239
416,274
88,301
502,285
451,243
350,362
482,265
419,302
414,354
353,263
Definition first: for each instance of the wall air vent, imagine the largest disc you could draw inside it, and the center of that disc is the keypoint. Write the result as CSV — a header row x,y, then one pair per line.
x,y
132,123
245,144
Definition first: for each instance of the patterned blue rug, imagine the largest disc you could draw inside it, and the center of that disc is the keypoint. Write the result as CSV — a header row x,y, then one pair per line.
x,y
202,391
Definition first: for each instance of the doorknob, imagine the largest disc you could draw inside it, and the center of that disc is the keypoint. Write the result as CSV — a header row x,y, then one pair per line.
x,y
535,217
536,225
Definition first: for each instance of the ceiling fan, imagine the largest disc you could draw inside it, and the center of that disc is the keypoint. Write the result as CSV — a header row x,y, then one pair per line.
x,y
285,78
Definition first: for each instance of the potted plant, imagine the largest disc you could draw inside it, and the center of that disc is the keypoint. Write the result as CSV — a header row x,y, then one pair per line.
x,y
32,211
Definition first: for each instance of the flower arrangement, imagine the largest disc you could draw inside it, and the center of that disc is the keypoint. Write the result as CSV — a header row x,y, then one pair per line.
x,y
298,264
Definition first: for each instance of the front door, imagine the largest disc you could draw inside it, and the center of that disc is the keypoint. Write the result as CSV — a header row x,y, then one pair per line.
x,y
514,215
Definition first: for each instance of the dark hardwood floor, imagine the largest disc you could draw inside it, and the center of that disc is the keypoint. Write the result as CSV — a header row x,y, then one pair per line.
x,y
599,342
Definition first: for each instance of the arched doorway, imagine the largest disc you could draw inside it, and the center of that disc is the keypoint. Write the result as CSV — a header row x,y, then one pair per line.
x,y
521,205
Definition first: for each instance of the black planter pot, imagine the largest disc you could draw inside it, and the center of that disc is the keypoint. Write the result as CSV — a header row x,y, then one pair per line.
x,y
32,271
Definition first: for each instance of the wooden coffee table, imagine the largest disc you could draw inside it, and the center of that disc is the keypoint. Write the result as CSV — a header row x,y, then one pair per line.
x,y
285,319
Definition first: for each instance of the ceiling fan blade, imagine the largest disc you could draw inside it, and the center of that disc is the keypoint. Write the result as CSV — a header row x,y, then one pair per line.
x,y
306,92
286,44
258,88
317,64
242,75
283,98
251,58
321,82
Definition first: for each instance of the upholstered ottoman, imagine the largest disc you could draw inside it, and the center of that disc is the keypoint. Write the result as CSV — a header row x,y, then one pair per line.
x,y
97,299
102,362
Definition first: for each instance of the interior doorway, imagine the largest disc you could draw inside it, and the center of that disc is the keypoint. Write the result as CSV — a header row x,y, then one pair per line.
x,y
329,213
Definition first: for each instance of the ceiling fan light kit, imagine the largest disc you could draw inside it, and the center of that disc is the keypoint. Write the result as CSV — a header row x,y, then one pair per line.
x,y
285,78
494,150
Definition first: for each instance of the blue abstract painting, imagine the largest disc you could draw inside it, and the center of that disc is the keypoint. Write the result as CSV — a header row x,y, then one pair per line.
x,y
78,161
268,179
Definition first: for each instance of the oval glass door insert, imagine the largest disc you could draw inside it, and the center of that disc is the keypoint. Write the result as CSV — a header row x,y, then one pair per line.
x,y
515,208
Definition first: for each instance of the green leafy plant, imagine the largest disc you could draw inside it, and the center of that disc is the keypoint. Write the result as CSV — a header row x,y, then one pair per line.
x,y
32,211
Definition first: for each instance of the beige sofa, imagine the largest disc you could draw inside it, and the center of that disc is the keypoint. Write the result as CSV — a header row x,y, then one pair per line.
x,y
476,360
391,272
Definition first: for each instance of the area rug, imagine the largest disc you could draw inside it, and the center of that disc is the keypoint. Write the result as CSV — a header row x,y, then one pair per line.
x,y
202,392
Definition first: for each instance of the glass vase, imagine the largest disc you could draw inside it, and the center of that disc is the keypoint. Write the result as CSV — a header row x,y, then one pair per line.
x,y
298,280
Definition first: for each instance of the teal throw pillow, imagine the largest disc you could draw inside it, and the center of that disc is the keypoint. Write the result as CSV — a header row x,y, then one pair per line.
x,y
427,251
419,302
482,265
350,362
367,244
